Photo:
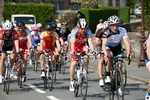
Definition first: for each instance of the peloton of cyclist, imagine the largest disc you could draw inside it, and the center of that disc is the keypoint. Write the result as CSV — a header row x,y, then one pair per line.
x,y
47,42
98,47
25,44
8,42
79,35
111,38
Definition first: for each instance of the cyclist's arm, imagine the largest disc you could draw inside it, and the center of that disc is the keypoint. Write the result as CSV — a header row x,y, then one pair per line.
x,y
104,41
41,41
16,42
61,40
127,44
97,42
90,44
72,43
29,40
148,49
1,41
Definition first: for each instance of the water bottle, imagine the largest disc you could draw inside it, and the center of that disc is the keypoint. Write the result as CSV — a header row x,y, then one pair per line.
x,y
81,75
82,61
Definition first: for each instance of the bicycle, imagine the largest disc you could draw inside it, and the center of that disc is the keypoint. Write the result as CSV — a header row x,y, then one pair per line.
x,y
19,69
35,58
81,77
116,78
6,72
49,71
62,62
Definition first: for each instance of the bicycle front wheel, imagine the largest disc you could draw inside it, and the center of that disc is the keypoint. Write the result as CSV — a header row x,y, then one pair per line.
x,y
50,76
124,72
20,73
84,84
119,85
7,79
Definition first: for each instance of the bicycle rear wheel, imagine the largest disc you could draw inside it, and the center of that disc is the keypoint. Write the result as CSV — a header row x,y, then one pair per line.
x,y
7,79
84,84
119,84
50,77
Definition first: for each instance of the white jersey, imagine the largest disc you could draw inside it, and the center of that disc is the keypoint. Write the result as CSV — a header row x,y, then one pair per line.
x,y
114,39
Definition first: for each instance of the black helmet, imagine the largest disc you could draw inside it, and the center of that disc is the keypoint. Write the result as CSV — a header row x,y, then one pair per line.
x,y
48,26
20,24
54,25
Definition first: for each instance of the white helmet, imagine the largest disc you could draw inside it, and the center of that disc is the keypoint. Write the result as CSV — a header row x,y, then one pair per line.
x,y
7,25
58,25
82,23
39,25
105,24
113,20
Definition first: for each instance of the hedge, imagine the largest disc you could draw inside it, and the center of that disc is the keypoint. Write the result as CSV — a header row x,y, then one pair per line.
x,y
93,15
43,12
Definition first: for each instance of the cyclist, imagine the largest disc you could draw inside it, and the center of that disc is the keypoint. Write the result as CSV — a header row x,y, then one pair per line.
x,y
147,60
24,44
35,36
63,33
111,38
47,41
79,35
8,42
98,44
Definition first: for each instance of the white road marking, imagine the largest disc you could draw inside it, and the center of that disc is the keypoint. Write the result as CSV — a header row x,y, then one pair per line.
x,y
52,98
35,88
32,86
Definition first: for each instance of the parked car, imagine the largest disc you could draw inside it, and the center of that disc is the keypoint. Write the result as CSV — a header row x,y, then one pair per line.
x,y
29,20
137,10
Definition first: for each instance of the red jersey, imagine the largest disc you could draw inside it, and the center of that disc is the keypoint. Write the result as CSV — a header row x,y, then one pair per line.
x,y
14,34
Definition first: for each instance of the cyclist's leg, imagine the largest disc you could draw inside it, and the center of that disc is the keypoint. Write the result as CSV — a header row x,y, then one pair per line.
x,y
24,58
100,71
108,66
2,60
66,46
12,61
73,61
42,63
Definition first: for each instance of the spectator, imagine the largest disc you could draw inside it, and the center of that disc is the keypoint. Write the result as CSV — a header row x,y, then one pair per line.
x,y
100,25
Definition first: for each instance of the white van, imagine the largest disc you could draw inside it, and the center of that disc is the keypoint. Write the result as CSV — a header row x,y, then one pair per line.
x,y
29,20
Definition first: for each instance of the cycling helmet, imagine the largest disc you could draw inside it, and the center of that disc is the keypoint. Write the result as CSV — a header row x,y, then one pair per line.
x,y
113,20
39,25
54,25
7,25
64,24
105,24
82,23
35,28
20,24
59,25
48,26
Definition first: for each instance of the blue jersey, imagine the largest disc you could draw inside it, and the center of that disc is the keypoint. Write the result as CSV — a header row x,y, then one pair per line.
x,y
35,38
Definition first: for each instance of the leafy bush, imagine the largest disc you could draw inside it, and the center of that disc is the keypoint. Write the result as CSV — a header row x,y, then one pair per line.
x,y
43,12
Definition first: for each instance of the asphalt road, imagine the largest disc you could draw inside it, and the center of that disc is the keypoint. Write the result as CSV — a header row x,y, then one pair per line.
x,y
33,89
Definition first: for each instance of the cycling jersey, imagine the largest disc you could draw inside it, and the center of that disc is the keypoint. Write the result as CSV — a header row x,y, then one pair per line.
x,y
35,38
8,41
114,39
49,40
80,40
23,41
64,36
